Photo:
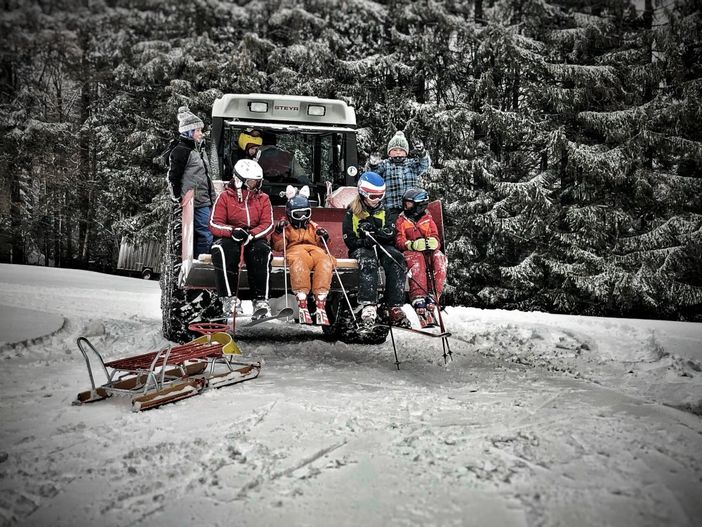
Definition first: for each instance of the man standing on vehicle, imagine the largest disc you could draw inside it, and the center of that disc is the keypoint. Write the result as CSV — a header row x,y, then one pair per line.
x,y
399,171
189,169
242,219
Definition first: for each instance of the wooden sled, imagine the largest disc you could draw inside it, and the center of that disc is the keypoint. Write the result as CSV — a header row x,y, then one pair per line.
x,y
169,374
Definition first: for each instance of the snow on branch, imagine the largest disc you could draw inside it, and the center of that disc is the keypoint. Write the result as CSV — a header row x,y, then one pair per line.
x,y
597,160
674,231
525,273
583,74
617,125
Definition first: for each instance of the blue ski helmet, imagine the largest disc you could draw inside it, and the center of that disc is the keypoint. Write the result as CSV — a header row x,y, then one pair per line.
x,y
372,187
419,199
298,211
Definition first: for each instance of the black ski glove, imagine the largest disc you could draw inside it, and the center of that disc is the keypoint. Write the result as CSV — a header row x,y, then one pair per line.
x,y
280,225
365,227
239,234
322,233
386,235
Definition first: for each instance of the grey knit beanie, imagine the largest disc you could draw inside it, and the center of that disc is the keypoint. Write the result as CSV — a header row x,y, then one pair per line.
x,y
187,120
399,141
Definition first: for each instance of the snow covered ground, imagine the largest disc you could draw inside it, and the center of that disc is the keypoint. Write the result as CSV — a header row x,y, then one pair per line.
x,y
539,420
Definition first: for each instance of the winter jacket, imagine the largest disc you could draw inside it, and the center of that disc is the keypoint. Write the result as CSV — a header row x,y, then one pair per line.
x,y
384,234
235,208
305,253
399,178
189,169
295,236
408,229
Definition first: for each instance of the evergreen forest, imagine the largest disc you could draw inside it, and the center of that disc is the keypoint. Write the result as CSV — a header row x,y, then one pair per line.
x,y
565,135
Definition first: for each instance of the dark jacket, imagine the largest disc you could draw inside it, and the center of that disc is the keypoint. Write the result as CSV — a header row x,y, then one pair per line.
x,y
382,231
189,169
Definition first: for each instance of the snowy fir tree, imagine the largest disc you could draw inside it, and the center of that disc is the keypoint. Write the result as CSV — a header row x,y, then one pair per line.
x,y
564,134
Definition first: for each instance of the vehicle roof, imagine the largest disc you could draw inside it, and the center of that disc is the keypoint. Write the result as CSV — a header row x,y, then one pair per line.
x,y
287,108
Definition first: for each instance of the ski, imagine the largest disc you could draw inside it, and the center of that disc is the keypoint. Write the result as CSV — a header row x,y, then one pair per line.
x,y
284,313
445,334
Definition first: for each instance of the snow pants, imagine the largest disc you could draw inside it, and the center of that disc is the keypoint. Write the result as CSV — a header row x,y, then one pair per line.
x,y
419,264
395,273
225,258
302,260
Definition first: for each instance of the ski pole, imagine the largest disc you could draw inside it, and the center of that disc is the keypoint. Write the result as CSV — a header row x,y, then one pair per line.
x,y
429,265
407,271
236,295
341,284
285,268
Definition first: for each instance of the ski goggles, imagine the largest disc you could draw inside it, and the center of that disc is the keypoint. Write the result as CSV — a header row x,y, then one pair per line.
x,y
253,184
301,214
373,196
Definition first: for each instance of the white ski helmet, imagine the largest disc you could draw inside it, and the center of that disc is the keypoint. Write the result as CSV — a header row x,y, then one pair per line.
x,y
247,169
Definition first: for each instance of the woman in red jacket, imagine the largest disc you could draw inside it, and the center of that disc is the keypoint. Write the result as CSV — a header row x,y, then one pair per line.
x,y
242,216
418,237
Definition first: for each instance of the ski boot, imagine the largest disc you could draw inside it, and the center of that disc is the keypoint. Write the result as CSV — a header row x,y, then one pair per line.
x,y
261,309
321,301
303,311
420,307
431,316
369,314
398,317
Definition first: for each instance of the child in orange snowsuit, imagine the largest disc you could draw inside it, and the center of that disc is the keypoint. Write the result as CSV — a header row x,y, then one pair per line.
x,y
304,244
418,237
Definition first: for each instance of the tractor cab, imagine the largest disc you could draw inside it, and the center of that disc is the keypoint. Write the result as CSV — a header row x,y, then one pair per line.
x,y
296,140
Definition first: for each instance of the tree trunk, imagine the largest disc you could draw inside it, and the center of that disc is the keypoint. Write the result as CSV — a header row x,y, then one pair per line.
x,y
478,13
85,196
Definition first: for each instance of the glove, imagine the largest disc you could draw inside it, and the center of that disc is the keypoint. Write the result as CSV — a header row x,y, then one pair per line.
x,y
281,225
322,233
386,234
374,159
364,227
417,148
432,244
239,234
417,245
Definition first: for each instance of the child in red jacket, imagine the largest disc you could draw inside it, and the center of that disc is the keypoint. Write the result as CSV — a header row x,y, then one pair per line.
x,y
418,237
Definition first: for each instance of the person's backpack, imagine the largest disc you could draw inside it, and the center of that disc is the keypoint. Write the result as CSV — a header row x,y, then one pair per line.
x,y
164,158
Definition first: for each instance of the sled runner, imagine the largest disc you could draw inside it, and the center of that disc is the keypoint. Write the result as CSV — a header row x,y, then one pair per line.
x,y
169,374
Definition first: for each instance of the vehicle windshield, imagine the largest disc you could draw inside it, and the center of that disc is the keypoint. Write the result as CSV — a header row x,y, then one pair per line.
x,y
289,158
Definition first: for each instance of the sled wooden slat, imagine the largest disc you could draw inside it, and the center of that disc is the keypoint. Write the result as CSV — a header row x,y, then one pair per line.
x,y
177,356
